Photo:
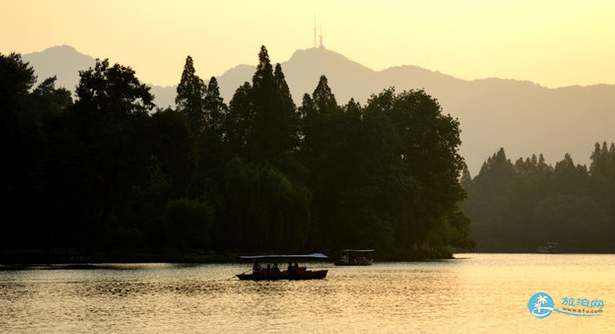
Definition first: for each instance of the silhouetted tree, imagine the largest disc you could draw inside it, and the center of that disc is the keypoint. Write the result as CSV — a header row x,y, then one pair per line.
x,y
190,97
206,113
517,207
21,148
602,180
16,79
111,103
327,154
274,128
215,109
48,101
426,150
213,152
239,123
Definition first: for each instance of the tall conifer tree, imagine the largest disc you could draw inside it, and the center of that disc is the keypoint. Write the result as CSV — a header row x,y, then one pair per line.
x,y
190,96
265,113
214,107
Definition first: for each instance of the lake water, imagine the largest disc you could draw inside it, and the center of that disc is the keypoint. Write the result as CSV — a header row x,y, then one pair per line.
x,y
473,293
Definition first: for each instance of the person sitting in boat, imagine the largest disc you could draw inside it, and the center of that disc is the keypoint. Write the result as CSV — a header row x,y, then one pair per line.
x,y
290,268
296,268
344,258
275,267
256,268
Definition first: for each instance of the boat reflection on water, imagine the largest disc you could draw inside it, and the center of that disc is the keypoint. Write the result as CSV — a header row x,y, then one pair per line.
x,y
355,257
273,273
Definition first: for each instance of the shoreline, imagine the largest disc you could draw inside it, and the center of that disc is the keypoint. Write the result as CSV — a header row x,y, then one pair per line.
x,y
82,257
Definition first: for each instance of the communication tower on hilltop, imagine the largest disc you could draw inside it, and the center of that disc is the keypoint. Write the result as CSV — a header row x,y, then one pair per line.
x,y
319,36
314,31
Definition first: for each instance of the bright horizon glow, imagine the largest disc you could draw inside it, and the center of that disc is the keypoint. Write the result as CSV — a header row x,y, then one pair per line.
x,y
551,43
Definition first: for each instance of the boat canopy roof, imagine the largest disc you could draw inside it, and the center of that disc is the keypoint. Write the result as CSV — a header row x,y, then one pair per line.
x,y
358,250
284,256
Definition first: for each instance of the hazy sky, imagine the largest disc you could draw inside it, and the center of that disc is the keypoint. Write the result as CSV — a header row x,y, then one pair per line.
x,y
553,43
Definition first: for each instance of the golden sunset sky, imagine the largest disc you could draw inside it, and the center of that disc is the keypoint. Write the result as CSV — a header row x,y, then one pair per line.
x,y
552,43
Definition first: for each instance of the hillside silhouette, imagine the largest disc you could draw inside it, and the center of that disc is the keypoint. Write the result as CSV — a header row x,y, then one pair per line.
x,y
521,116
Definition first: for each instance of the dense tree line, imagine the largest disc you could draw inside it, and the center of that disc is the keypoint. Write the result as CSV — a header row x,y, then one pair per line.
x,y
515,207
110,170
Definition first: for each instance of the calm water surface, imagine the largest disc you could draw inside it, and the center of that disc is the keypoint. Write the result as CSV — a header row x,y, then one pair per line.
x,y
474,293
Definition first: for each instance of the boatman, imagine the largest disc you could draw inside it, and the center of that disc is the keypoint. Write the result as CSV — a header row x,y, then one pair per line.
x,y
256,268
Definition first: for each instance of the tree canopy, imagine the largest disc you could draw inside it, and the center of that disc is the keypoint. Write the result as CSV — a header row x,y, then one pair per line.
x,y
259,174
518,207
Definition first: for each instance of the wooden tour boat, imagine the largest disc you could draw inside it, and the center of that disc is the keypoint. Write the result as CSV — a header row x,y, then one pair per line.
x,y
273,273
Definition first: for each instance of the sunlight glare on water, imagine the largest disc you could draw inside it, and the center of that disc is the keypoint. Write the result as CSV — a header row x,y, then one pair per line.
x,y
474,293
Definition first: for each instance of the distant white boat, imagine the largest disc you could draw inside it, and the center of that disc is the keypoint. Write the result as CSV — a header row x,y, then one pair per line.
x,y
550,247
351,258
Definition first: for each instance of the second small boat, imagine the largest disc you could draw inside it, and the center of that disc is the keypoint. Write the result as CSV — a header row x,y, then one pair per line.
x,y
355,257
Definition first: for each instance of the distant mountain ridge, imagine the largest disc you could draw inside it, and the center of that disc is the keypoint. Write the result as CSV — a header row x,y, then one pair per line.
x,y
520,116
65,63
62,61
